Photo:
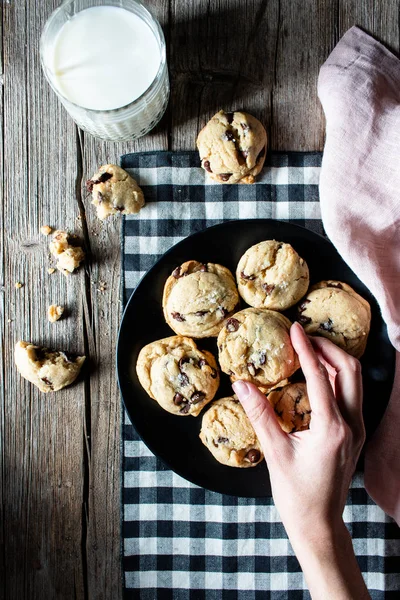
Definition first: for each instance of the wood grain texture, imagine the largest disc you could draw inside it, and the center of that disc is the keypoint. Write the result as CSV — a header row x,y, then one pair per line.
x,y
60,454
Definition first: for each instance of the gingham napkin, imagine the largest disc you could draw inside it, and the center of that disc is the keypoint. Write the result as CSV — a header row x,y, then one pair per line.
x,y
181,542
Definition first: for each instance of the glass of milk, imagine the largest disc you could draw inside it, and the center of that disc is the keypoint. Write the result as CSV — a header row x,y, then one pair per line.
x,y
105,59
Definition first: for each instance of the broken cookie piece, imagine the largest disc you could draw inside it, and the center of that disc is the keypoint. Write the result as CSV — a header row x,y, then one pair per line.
x,y
54,312
114,191
69,257
49,370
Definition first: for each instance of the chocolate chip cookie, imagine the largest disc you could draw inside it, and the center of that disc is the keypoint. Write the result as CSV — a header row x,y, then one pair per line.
x,y
255,345
228,434
179,376
49,370
272,275
292,407
114,191
232,147
198,298
335,311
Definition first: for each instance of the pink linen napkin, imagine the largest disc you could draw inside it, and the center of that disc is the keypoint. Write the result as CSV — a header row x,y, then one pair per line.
x,y
359,88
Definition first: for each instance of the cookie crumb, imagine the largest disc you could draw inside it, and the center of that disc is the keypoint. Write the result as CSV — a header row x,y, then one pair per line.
x,y
51,271
46,229
55,312
69,257
18,285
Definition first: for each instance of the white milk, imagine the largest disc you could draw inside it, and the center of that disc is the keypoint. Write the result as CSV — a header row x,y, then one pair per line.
x,y
105,57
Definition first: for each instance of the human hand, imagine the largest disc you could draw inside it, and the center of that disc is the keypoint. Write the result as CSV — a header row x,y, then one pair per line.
x,y
311,470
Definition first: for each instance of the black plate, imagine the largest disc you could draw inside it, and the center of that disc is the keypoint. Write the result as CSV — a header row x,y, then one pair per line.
x,y
175,439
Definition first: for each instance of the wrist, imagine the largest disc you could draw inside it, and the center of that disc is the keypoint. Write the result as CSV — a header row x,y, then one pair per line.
x,y
329,564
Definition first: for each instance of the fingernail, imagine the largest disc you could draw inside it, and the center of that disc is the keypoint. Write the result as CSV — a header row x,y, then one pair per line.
x,y
241,389
296,325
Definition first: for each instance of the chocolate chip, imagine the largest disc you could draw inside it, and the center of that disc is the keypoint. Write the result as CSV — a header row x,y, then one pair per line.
x,y
224,176
176,273
40,353
247,277
47,382
178,317
119,208
185,409
336,285
253,455
197,397
183,361
260,155
245,127
304,320
183,379
230,372
268,288
213,373
206,166
202,363
303,305
228,136
201,313
222,440
232,325
178,399
103,177
202,268
263,358
251,368
229,117
91,182
327,326
100,197
298,399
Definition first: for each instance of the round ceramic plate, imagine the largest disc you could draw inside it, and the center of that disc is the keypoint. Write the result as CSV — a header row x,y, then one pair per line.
x,y
174,439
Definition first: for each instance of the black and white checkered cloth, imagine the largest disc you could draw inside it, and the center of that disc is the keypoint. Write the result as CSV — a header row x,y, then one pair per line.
x,y
181,542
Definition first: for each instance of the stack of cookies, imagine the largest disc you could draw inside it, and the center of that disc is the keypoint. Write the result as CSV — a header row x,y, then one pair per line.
x,y
203,300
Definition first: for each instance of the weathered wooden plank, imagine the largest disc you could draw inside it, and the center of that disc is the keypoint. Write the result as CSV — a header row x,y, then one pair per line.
x,y
222,56
381,19
104,493
43,435
306,34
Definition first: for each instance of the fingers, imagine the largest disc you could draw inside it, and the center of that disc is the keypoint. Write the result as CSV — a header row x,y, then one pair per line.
x,y
348,382
261,416
319,389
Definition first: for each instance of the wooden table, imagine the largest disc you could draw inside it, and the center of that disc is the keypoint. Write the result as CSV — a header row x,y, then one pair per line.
x,y
60,453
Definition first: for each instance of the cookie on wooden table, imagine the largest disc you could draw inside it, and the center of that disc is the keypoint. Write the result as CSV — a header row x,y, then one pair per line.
x,y
49,370
114,191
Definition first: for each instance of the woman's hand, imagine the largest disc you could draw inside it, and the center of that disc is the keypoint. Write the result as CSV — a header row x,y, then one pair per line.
x,y
311,470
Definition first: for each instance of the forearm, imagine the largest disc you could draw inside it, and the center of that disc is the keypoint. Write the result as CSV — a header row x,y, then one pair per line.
x,y
329,565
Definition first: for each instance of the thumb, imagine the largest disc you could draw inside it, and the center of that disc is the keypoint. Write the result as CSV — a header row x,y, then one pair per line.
x,y
261,416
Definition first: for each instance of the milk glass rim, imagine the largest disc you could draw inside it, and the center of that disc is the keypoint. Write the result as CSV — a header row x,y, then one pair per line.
x,y
133,103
